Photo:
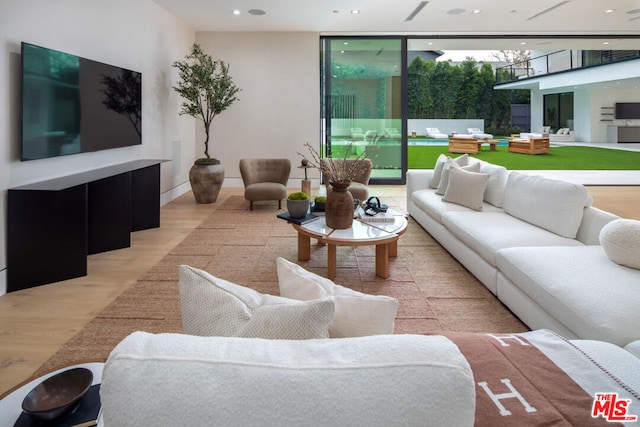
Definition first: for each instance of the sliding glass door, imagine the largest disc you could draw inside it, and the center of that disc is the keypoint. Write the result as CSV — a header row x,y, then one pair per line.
x,y
363,103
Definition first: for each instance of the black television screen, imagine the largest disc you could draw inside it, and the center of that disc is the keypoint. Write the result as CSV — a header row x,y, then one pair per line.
x,y
74,105
627,110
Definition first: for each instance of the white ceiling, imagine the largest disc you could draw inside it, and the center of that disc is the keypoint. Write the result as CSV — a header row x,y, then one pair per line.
x,y
451,23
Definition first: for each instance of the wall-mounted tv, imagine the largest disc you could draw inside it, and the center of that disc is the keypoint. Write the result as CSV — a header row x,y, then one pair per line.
x,y
75,105
627,110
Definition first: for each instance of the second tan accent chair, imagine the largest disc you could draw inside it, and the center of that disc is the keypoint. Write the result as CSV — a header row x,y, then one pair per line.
x,y
265,179
359,185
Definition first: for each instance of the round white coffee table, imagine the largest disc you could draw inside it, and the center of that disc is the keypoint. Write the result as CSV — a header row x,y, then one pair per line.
x,y
384,235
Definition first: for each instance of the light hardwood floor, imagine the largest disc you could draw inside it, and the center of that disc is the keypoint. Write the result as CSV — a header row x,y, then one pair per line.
x,y
35,322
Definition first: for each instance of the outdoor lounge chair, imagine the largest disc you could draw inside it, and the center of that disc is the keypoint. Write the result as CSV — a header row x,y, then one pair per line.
x,y
357,134
436,134
477,133
392,133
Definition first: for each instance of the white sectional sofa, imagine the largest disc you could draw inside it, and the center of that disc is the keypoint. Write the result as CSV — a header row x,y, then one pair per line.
x,y
535,244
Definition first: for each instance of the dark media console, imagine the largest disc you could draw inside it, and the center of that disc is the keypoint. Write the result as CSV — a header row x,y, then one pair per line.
x,y
53,225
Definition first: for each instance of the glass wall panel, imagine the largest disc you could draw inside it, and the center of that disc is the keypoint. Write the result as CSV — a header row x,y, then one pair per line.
x,y
362,106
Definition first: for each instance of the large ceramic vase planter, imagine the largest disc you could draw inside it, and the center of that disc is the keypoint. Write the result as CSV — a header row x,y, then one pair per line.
x,y
338,209
297,208
206,181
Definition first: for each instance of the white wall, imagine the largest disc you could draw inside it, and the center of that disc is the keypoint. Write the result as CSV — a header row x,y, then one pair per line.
x,y
138,35
278,109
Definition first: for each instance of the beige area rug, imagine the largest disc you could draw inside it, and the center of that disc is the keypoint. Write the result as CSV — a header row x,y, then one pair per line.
x,y
436,293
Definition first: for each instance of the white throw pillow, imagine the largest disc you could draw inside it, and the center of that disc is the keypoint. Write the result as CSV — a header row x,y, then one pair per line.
x,y
440,163
215,307
494,192
444,179
466,188
357,314
620,240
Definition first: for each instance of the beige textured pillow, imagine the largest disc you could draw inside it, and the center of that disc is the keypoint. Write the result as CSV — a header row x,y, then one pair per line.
x,y
357,314
466,188
440,162
215,307
450,164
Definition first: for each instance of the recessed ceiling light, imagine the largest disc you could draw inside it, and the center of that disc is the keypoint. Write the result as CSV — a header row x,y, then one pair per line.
x,y
355,12
609,11
523,43
257,12
235,12
605,42
476,11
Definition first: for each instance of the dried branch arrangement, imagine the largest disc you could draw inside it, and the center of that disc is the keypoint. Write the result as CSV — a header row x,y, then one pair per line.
x,y
337,170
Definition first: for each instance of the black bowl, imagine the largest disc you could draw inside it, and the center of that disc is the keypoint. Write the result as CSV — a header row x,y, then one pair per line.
x,y
58,395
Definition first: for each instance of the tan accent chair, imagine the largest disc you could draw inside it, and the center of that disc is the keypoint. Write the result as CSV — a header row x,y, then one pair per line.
x,y
265,179
359,185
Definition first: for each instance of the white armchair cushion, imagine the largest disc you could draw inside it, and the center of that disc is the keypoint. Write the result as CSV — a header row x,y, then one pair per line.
x,y
620,240
551,204
215,307
384,380
466,188
357,314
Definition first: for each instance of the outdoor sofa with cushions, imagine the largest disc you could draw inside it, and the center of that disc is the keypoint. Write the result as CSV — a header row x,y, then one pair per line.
x,y
563,135
535,244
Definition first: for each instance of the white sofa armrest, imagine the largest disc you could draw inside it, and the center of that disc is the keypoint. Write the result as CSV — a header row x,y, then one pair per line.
x,y
593,219
418,179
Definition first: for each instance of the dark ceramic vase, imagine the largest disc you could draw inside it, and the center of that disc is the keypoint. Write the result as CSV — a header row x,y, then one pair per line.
x,y
338,209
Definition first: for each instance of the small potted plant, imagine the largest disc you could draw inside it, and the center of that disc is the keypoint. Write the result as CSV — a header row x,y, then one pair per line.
x,y
319,202
298,204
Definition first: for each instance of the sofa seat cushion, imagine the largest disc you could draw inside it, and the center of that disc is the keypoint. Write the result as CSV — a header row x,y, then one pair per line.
x,y
383,380
488,232
579,286
433,205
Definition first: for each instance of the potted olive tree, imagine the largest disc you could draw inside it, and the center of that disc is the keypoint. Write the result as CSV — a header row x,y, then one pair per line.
x,y
208,90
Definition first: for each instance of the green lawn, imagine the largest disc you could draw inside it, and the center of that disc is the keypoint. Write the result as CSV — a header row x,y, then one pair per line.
x,y
559,158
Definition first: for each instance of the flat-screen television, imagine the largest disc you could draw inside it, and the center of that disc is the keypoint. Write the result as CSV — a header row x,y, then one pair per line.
x,y
627,110
75,105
